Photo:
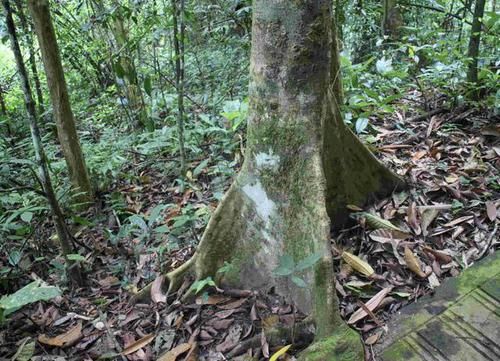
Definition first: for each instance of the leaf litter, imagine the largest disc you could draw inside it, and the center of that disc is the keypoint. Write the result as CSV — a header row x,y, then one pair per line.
x,y
392,254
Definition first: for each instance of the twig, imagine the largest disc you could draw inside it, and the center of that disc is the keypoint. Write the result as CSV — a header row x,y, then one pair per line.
x,y
489,242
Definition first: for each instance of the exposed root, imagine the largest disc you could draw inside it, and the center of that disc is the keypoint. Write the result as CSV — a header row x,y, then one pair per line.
x,y
173,279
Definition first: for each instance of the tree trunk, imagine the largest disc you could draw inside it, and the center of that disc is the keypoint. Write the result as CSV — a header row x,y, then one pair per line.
x,y
133,90
474,42
178,40
302,167
57,215
3,108
32,59
63,115
391,19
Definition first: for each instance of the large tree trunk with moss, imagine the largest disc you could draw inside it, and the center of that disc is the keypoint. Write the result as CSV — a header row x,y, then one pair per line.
x,y
63,114
302,167
474,42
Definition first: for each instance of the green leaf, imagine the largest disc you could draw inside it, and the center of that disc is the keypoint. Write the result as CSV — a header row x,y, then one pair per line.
x,y
162,229
379,223
361,125
286,266
33,292
138,221
119,71
75,257
27,216
299,281
201,284
155,213
197,171
308,262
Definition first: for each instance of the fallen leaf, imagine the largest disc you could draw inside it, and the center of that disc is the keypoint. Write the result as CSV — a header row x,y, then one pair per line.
x,y
231,305
358,264
137,345
175,352
387,235
428,216
440,256
279,353
371,340
157,294
458,221
211,300
412,218
372,304
25,351
68,338
491,211
412,263
377,222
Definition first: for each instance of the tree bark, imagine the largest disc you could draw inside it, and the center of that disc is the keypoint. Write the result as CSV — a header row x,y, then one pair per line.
x,y
57,215
32,59
302,167
63,114
391,19
474,42
178,40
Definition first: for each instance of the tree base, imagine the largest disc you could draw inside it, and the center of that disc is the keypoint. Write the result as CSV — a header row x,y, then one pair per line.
x,y
343,345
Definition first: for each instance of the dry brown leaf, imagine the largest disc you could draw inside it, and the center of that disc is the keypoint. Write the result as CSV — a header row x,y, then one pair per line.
x,y
458,221
211,300
371,340
175,352
157,294
413,218
358,264
372,304
234,304
68,338
387,235
412,263
440,256
428,216
137,345
491,211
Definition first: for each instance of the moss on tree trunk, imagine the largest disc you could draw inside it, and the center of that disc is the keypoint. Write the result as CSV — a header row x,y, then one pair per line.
x,y
302,167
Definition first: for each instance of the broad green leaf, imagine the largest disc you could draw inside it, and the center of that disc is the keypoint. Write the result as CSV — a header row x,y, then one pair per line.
x,y
197,171
299,281
286,266
155,213
361,125
27,216
33,292
138,221
308,262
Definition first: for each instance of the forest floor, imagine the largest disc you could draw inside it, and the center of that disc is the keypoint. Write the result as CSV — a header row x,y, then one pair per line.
x,y
444,223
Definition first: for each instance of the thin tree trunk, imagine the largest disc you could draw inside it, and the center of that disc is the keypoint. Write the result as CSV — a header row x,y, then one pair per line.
x,y
474,43
32,59
178,40
73,268
392,19
3,108
63,114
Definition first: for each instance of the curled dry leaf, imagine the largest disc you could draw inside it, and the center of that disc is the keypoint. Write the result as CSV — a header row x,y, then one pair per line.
x,y
137,345
428,216
358,264
413,264
68,338
372,304
175,352
413,218
279,353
